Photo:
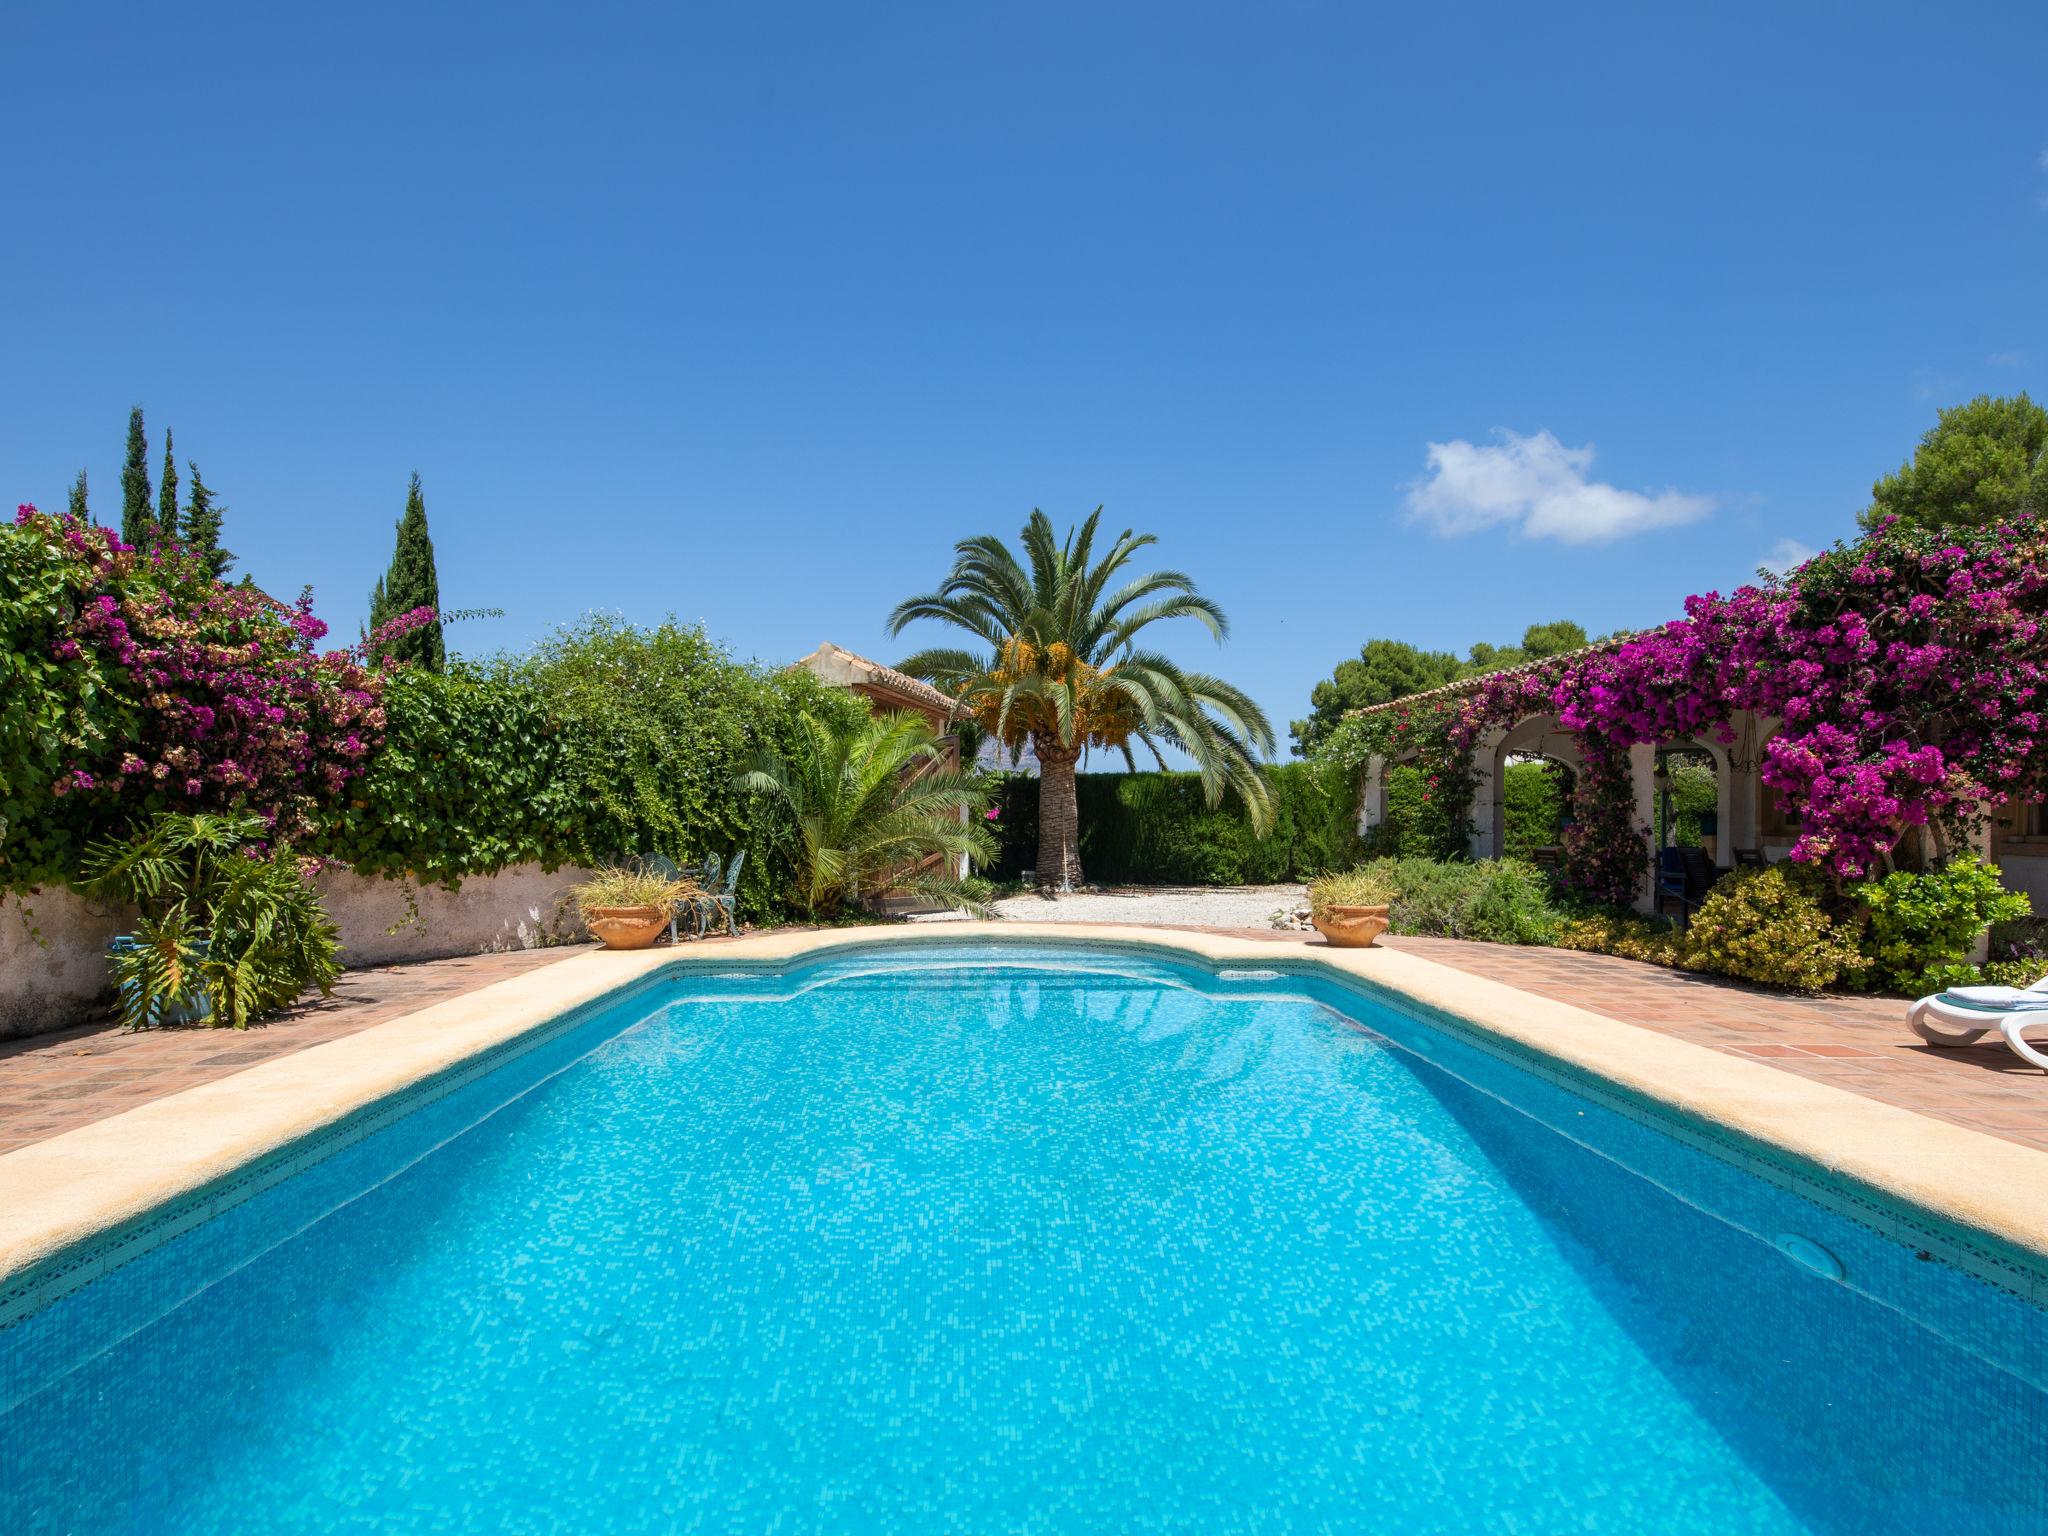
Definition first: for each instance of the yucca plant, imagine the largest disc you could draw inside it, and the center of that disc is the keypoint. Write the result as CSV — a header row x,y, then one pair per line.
x,y
226,922
873,809
1063,671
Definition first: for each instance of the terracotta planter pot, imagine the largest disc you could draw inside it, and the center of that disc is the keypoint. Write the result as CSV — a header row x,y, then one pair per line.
x,y
626,927
1351,927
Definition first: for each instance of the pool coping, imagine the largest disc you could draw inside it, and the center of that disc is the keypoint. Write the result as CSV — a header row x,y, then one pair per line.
x,y
67,1203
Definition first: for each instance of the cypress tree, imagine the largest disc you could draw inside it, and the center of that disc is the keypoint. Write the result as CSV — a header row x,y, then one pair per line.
x,y
136,520
202,527
412,582
78,508
167,494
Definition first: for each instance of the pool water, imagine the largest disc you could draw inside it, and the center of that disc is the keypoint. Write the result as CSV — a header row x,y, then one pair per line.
x,y
1022,1239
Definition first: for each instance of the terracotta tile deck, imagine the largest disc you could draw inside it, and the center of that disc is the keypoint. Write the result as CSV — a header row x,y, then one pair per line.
x,y
52,1083
56,1082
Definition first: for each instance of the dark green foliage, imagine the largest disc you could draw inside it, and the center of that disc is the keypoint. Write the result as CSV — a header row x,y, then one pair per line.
x,y
137,517
201,527
1385,670
224,919
608,742
167,494
1983,462
77,507
1534,796
1695,794
475,776
1417,824
1157,828
412,582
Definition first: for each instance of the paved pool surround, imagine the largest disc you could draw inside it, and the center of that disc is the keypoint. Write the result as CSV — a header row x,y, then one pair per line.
x,y
86,1201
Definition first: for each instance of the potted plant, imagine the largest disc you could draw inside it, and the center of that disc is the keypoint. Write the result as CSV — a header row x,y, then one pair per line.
x,y
628,908
1350,910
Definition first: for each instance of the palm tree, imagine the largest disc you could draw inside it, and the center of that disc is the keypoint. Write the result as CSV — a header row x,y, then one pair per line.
x,y
875,808
1063,671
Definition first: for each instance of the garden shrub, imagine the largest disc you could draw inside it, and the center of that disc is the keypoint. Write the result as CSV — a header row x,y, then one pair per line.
x,y
227,916
133,683
1619,931
474,777
1500,901
1924,923
1533,798
1992,973
606,742
1769,925
1157,828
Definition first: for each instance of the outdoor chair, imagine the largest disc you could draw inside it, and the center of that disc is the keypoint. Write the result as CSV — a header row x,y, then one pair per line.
x,y
1750,858
719,901
1964,1015
1673,883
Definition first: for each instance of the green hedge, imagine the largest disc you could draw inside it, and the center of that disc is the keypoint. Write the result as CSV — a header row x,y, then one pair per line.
x,y
605,742
1156,829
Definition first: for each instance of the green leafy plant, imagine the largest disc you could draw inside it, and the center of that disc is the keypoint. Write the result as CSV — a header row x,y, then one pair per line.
x,y
1769,925
619,886
1160,829
872,809
226,922
1372,886
1499,901
1618,931
1921,923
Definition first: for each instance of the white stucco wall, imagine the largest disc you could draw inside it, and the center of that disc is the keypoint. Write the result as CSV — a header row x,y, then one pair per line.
x,y
62,979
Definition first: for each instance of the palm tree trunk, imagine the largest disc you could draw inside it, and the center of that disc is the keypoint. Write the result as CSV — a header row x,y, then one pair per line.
x,y
1059,818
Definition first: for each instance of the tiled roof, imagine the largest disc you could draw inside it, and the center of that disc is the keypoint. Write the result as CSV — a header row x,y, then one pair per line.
x,y
1479,679
878,676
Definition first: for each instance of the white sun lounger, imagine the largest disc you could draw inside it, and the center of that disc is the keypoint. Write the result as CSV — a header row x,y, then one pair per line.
x,y
1964,1015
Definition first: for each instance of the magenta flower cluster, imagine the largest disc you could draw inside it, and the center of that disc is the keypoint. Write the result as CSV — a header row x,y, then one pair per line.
x,y
227,701
1908,671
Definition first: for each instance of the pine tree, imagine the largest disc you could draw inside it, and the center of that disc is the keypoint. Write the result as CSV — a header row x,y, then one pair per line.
x,y
78,508
202,527
167,494
412,582
136,521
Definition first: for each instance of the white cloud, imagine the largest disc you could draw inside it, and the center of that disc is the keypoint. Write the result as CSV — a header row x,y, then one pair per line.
x,y
1786,555
2007,359
1538,485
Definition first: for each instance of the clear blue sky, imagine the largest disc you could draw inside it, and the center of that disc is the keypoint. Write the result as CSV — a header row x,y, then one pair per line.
x,y
747,312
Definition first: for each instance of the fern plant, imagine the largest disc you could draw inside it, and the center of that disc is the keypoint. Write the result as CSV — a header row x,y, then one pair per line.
x,y
229,925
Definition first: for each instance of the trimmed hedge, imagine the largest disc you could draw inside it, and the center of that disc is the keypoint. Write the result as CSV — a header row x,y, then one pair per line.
x,y
1156,829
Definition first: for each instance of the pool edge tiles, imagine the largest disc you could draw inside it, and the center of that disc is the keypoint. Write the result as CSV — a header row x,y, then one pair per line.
x,y
84,1202
92,1199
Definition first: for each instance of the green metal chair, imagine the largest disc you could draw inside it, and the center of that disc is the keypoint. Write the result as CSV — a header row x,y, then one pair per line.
x,y
718,901
660,864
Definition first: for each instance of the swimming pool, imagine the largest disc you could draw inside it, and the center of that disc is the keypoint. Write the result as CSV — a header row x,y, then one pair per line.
x,y
1048,1238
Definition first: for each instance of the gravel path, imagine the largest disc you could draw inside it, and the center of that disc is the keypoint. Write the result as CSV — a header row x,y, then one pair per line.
x,y
1241,906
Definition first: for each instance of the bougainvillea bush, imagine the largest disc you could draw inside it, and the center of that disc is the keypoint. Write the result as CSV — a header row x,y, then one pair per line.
x,y
133,683
1908,669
